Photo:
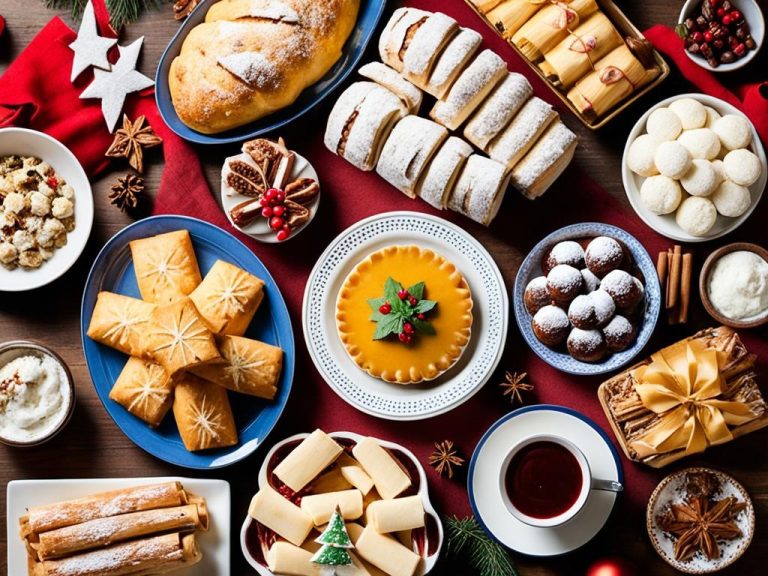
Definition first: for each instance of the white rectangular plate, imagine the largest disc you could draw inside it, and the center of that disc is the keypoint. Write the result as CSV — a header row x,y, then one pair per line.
x,y
214,543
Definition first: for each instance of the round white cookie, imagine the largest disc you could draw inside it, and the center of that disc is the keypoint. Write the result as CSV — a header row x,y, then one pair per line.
x,y
691,113
663,124
730,199
734,131
696,216
640,157
672,159
661,194
719,170
742,166
701,143
701,179
712,116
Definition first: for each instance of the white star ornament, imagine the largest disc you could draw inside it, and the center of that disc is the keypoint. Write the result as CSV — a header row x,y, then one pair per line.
x,y
90,49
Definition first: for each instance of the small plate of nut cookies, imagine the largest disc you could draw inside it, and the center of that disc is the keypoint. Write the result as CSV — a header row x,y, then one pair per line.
x,y
587,298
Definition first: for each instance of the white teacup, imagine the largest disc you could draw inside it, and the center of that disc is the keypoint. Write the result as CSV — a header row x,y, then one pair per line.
x,y
588,483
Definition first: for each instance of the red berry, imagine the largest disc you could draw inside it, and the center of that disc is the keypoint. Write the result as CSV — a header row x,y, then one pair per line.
x,y
735,16
420,316
720,12
385,308
408,328
276,222
278,210
264,202
698,37
412,300
402,337
282,235
402,294
287,228
740,49
708,37
266,212
52,181
726,20
280,197
270,194
2,25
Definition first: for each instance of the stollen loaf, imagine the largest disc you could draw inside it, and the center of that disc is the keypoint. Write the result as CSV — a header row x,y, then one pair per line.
x,y
250,58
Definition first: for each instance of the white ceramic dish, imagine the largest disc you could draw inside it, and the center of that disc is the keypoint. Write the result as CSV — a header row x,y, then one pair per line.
x,y
24,142
671,490
259,229
666,225
428,548
486,467
214,544
489,327
752,13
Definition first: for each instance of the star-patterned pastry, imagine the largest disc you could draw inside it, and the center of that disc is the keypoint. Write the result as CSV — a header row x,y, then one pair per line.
x,y
166,266
144,389
90,49
120,322
178,338
203,414
227,298
112,86
250,367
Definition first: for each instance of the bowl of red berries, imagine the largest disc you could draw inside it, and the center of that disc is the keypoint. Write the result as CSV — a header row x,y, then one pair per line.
x,y
721,35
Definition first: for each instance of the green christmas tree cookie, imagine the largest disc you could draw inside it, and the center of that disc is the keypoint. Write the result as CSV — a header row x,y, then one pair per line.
x,y
336,542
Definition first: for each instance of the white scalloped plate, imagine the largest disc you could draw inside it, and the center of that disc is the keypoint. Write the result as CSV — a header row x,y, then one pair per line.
x,y
428,549
489,328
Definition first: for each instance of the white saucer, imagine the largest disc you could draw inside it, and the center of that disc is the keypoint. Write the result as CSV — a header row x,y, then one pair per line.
x,y
259,229
485,488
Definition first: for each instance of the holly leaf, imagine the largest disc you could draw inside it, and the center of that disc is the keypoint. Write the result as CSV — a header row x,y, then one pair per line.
x,y
423,327
391,288
390,324
377,316
417,290
375,303
424,306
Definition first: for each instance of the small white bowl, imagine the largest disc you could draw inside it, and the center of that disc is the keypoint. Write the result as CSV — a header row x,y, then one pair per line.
x,y
754,17
24,142
666,224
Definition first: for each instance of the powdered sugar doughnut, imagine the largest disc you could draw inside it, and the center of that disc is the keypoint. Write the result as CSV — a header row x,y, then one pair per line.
x,y
661,194
701,179
619,334
550,325
582,313
696,215
742,166
605,307
641,155
602,255
734,131
591,282
566,252
672,159
731,199
586,345
564,283
663,124
701,143
712,116
691,113
621,286
536,295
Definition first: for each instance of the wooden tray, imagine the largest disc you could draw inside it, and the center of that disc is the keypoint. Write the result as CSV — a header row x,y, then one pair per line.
x,y
625,28
662,460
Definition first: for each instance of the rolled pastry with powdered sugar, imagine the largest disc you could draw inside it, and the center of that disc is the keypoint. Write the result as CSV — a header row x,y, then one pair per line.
x,y
452,61
398,33
480,189
427,44
392,81
518,137
441,173
498,110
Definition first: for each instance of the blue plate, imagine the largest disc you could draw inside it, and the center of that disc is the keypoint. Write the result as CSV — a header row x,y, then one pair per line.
x,y
367,20
254,417
531,268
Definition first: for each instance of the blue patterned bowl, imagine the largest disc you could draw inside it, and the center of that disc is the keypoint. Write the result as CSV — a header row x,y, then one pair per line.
x,y
531,268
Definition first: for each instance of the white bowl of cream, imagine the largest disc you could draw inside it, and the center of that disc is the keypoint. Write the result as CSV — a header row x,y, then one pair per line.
x,y
37,393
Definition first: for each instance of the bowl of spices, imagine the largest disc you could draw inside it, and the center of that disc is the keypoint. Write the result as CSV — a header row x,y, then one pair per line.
x,y
37,393
734,285
721,35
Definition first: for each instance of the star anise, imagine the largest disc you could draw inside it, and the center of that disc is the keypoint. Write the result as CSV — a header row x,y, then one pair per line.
x,y
699,523
127,192
182,8
130,141
444,458
514,384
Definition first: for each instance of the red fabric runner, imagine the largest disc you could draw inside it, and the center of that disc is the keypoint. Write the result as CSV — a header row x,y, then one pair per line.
x,y
32,93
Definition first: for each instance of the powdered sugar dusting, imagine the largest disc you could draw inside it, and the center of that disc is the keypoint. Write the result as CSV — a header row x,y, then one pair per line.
x,y
603,250
565,278
272,10
605,307
442,171
619,327
478,191
617,282
582,308
426,43
253,68
588,341
459,50
545,153
518,137
551,319
498,109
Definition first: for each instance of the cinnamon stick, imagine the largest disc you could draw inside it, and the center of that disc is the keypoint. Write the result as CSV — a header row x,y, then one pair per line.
x,y
685,287
661,270
674,277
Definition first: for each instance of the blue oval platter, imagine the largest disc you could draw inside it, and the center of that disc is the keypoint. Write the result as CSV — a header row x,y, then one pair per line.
x,y
113,271
367,20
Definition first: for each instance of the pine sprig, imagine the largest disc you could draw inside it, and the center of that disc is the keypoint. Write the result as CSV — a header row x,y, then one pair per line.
x,y
120,11
467,540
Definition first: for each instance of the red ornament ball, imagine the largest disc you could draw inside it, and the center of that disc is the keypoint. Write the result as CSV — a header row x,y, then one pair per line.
x,y
612,566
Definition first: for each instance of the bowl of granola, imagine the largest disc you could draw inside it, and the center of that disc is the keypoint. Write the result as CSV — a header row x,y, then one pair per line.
x,y
46,209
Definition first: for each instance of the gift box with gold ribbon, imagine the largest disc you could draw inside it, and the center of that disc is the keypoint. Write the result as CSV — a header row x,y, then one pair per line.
x,y
696,393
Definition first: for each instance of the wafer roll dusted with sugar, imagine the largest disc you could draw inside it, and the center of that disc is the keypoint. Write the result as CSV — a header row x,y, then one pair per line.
x,y
441,173
518,137
498,110
510,15
454,58
360,122
398,33
392,81
550,25
407,151
469,90
480,189
545,161
156,555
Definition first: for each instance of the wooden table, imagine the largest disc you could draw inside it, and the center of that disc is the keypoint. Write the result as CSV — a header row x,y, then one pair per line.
x,y
92,446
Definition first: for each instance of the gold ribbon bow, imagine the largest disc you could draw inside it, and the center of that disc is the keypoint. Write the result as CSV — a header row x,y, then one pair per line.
x,y
682,384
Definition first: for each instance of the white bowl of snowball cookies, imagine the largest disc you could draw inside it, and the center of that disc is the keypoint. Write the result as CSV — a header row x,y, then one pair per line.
x,y
693,168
